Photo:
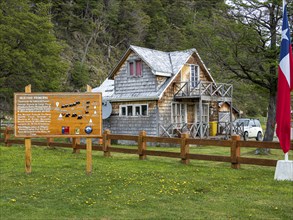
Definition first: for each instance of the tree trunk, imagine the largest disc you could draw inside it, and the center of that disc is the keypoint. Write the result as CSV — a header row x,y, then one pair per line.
x,y
270,126
271,121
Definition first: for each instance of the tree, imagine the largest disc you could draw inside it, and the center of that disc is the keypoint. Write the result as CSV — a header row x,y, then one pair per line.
x,y
79,76
244,43
30,53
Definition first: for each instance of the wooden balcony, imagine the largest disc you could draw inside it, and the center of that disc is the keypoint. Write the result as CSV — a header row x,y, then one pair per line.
x,y
208,91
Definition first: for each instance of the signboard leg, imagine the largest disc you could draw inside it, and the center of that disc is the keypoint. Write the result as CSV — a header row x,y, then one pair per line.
x,y
88,156
28,143
88,147
28,155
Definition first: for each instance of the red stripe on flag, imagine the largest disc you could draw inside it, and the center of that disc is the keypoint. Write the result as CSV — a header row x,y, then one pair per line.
x,y
283,116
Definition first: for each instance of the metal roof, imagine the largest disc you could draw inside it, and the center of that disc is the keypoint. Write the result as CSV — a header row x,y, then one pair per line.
x,y
163,63
106,88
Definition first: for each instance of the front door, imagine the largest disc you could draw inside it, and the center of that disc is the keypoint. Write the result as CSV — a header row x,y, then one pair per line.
x,y
191,113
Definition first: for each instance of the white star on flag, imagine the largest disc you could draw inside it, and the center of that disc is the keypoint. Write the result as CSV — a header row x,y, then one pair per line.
x,y
284,34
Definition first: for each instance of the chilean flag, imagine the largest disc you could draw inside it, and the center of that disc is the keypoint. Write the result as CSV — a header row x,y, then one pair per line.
x,y
285,85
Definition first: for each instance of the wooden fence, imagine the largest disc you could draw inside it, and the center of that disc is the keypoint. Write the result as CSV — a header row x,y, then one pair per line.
x,y
235,144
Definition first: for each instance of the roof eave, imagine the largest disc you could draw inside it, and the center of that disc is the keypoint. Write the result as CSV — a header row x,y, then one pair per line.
x,y
204,66
151,98
158,73
119,64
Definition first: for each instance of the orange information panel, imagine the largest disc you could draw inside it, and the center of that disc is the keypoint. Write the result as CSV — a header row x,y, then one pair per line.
x,y
58,114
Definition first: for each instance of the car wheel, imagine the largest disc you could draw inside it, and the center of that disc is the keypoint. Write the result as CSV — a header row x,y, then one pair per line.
x,y
245,136
259,136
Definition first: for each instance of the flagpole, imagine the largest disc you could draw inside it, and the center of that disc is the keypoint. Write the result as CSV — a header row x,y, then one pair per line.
x,y
287,156
284,3
284,168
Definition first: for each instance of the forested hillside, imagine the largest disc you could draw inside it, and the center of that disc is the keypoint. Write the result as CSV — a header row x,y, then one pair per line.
x,y
62,45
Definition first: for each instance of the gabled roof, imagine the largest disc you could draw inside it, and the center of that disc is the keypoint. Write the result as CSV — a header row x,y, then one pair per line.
x,y
162,63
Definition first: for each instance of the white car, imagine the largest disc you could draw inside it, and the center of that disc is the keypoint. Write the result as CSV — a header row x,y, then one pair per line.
x,y
248,128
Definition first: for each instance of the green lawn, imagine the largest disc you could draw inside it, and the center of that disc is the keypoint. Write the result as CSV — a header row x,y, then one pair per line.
x,y
123,187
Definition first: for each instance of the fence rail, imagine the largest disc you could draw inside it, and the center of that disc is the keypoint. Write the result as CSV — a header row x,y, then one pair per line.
x,y
235,144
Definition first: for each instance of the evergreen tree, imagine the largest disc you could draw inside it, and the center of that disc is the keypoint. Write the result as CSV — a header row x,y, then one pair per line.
x,y
79,76
30,53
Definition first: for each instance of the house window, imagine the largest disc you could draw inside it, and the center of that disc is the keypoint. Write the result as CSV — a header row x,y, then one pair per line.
x,y
205,113
138,68
194,76
134,110
129,110
178,114
131,67
137,110
123,110
135,68
144,110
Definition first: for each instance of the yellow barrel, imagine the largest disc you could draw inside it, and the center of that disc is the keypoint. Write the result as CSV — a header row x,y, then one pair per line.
x,y
213,128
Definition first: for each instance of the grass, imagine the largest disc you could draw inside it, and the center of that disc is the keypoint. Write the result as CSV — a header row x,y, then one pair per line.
x,y
123,187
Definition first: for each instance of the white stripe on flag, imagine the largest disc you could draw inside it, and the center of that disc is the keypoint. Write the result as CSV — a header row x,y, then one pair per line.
x,y
285,67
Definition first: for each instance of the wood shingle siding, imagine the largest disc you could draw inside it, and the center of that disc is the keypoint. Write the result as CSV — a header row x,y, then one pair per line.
x,y
133,124
124,83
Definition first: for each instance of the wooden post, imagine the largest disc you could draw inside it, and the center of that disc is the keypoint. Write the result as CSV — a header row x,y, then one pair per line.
x,y
88,88
88,146
142,145
75,141
200,117
28,155
49,141
235,152
28,144
184,149
106,143
88,156
7,136
231,118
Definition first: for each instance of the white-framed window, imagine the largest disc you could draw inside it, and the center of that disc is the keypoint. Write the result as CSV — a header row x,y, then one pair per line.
x,y
133,110
194,75
205,113
178,113
134,68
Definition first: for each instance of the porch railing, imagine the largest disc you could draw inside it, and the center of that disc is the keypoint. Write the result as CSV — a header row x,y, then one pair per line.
x,y
203,88
224,128
194,129
176,129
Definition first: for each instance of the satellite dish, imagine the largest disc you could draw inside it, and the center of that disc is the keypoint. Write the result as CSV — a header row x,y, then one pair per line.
x,y
106,109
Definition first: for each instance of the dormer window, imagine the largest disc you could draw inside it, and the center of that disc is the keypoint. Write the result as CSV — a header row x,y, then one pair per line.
x,y
135,68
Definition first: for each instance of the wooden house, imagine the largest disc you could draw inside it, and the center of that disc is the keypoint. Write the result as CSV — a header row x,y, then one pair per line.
x,y
163,93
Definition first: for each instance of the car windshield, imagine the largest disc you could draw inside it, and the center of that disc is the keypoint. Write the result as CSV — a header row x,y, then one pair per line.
x,y
240,122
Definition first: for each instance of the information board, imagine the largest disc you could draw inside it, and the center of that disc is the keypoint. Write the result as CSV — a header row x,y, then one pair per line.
x,y
58,114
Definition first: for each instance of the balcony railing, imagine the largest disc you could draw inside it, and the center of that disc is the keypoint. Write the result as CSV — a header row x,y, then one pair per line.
x,y
206,90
